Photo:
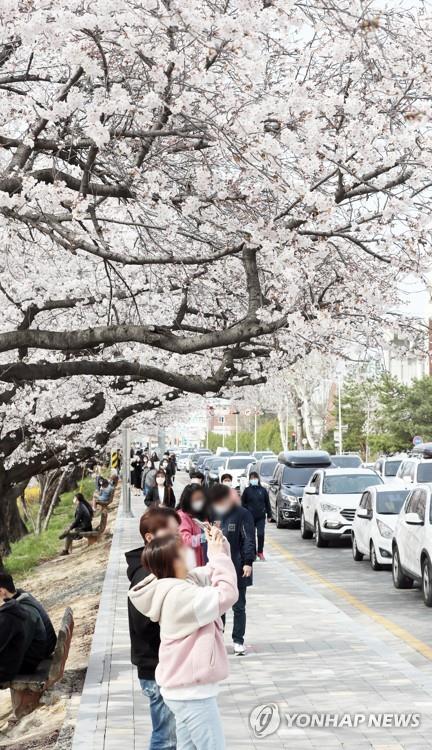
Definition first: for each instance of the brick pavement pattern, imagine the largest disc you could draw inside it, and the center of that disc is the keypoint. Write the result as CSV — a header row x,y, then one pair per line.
x,y
305,655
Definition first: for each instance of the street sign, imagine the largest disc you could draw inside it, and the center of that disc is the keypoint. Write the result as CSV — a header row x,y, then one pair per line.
x,y
417,440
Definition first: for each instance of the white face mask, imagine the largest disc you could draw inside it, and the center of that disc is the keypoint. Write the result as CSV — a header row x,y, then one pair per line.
x,y
197,505
160,480
220,510
228,483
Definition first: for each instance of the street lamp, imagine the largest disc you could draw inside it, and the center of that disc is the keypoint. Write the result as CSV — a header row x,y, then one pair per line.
x,y
340,413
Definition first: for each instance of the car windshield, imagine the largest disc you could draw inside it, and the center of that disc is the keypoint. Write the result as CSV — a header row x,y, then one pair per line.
x,y
391,467
348,484
390,502
238,463
299,475
216,462
267,468
346,462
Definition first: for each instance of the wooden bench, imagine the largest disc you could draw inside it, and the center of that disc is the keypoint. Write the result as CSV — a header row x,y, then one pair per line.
x,y
94,536
26,690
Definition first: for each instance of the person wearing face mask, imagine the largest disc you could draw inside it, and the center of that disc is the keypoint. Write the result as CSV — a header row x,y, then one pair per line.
x,y
238,527
165,464
193,504
161,493
256,499
148,478
192,657
228,480
145,633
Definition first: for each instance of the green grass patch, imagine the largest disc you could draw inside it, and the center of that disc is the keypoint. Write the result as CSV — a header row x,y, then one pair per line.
x,y
33,549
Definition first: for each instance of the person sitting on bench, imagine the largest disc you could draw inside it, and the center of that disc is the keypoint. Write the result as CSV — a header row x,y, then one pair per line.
x,y
27,600
104,496
82,522
23,639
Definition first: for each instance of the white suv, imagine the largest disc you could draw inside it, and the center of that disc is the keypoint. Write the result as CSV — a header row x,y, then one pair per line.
x,y
412,543
415,470
375,522
330,500
387,467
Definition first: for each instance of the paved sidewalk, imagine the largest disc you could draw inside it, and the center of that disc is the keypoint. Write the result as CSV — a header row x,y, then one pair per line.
x,y
304,655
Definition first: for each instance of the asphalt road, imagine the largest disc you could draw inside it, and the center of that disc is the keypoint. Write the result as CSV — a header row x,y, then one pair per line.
x,y
364,594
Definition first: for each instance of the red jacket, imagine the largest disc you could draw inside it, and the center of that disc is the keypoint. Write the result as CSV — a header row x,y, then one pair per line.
x,y
191,535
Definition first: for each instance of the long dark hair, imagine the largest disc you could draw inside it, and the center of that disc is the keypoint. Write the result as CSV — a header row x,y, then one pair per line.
x,y
186,499
160,554
81,499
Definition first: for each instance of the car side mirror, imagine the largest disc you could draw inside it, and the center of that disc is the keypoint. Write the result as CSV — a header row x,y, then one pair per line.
x,y
272,481
407,478
413,519
311,491
364,513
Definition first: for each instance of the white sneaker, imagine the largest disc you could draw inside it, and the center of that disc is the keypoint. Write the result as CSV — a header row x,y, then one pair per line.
x,y
239,649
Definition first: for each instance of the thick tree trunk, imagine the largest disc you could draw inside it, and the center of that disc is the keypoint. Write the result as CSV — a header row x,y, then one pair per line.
x,y
12,527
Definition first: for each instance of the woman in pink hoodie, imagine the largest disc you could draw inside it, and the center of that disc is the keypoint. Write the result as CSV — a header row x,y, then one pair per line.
x,y
192,657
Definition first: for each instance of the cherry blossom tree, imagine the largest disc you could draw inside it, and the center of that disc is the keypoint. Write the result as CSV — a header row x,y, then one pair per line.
x,y
195,194
181,179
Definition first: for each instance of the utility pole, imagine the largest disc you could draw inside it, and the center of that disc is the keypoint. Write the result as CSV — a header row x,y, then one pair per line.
x,y
255,430
125,474
287,426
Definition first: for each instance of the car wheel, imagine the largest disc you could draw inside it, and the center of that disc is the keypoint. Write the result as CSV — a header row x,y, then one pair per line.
x,y
358,556
319,540
427,582
375,565
304,531
400,580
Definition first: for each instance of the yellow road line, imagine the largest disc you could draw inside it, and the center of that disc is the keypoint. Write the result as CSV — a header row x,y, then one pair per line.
x,y
396,630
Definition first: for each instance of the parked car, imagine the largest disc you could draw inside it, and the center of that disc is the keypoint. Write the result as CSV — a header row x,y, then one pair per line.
x,y
183,461
262,454
330,500
412,543
416,469
346,460
193,461
236,466
265,468
212,473
202,461
375,522
290,476
387,468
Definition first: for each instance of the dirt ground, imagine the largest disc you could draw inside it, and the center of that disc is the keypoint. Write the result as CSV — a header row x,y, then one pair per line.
x,y
74,581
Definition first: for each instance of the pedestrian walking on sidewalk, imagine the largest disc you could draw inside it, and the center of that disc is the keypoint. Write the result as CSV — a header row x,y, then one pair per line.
x,y
256,500
161,493
148,478
192,654
238,527
145,634
193,505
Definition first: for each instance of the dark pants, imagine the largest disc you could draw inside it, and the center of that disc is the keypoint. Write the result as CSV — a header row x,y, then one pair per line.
x,y
260,526
239,621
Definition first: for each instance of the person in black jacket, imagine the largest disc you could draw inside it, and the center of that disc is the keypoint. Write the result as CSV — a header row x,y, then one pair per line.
x,y
238,527
256,499
162,493
145,634
23,640
8,592
82,522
